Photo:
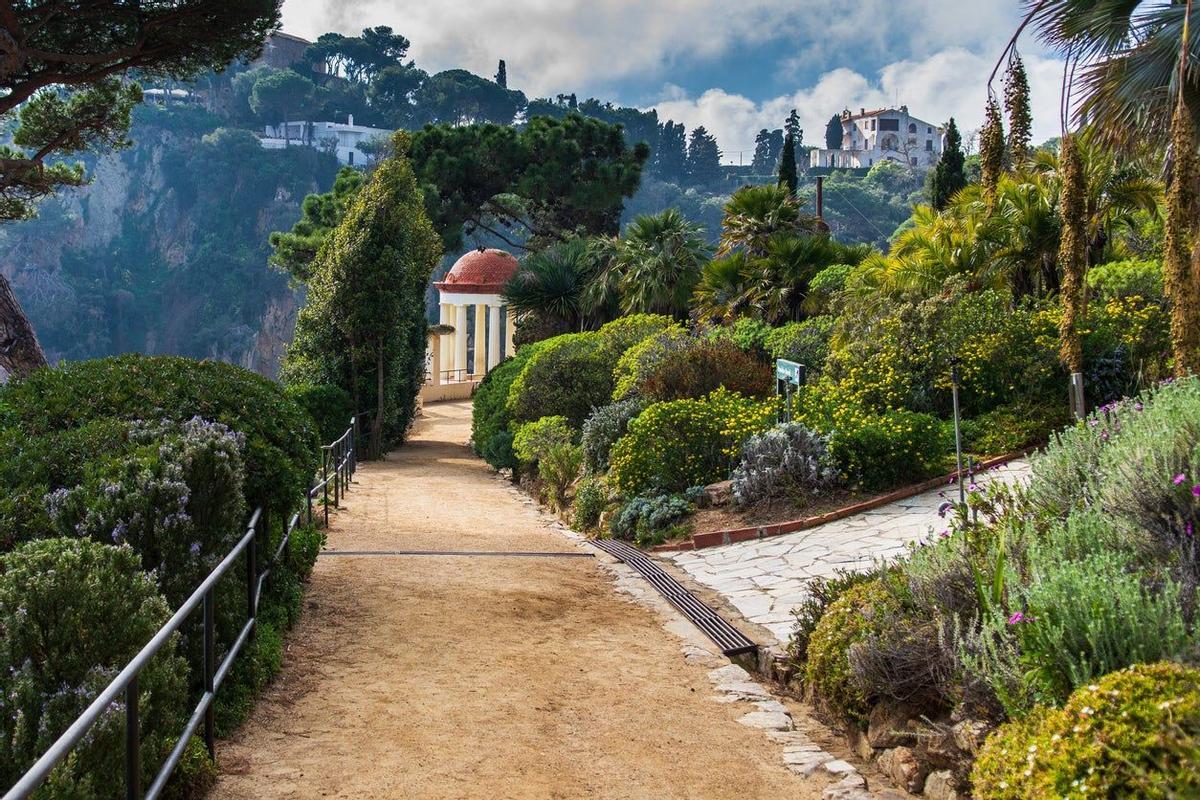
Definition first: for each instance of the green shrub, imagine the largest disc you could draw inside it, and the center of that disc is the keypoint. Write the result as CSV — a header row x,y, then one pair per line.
x,y
281,452
748,334
805,343
558,468
1012,427
825,287
498,451
648,520
303,548
330,407
591,499
702,367
671,446
861,610
625,332
1133,733
533,440
820,593
569,376
604,427
489,405
642,357
1118,279
1085,619
72,614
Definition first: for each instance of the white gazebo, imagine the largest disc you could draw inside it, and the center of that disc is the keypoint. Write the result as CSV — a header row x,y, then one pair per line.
x,y
475,281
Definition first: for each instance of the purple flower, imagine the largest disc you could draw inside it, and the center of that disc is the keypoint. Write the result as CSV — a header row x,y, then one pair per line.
x,y
1188,528
1196,490
971,487
195,548
944,507
1178,479
945,534
1018,618
1093,422
1138,406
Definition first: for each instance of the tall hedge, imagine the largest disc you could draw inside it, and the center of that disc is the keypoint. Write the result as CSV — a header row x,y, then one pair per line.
x,y
364,326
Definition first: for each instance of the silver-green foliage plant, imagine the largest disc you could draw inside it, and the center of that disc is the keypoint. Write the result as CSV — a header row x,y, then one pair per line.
x,y
788,461
592,497
604,427
1089,618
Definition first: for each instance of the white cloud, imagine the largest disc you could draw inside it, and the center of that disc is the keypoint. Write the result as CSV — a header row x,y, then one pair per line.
x,y
588,45
945,84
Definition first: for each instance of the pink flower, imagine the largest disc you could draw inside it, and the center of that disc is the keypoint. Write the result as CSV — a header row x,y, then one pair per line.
x,y
1180,478
1196,490
1018,618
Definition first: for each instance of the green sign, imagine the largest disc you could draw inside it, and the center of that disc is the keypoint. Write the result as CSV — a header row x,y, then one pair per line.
x,y
789,371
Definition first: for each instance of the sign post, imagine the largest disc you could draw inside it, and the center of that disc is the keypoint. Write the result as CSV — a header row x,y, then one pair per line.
x,y
789,376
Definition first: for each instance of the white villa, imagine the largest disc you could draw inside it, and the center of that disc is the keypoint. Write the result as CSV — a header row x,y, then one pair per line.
x,y
344,139
885,133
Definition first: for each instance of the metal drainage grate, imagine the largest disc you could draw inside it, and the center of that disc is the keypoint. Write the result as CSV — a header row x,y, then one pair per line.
x,y
731,641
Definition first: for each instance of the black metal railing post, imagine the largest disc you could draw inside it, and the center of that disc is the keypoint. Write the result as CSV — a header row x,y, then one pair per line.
x,y
210,672
337,474
325,483
133,743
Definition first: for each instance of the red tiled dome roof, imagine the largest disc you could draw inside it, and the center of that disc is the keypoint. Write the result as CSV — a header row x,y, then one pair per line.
x,y
480,272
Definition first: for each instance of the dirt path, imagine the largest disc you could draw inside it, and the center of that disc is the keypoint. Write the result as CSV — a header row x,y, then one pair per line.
x,y
482,677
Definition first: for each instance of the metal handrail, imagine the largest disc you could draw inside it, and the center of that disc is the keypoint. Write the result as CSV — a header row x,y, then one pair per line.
x,y
126,681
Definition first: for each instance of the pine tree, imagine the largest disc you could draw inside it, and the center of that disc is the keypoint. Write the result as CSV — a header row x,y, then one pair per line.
x,y
502,75
1020,118
762,152
787,166
948,177
670,159
791,127
703,157
833,133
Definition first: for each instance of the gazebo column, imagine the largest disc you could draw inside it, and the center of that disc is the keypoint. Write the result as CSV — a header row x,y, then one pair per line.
x,y
509,323
435,359
480,338
493,348
460,342
446,341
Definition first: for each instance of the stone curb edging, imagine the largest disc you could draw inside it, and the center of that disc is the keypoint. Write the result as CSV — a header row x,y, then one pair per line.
x,y
718,538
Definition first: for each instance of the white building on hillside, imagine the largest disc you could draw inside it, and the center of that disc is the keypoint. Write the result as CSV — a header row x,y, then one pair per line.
x,y
335,137
891,134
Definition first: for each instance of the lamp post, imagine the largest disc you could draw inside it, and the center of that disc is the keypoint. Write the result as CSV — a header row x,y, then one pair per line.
x,y
962,495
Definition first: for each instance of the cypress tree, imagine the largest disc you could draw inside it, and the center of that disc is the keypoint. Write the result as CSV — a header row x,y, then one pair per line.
x,y
502,75
1072,253
833,133
991,150
787,166
1020,118
948,176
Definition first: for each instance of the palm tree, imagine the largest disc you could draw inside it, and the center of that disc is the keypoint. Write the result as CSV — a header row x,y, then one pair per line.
x,y
654,266
754,214
723,293
552,284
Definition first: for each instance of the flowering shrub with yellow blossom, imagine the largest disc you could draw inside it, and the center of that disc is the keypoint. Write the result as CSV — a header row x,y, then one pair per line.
x,y
681,443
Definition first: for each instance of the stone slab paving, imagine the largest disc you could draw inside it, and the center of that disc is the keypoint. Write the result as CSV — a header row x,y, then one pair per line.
x,y
767,578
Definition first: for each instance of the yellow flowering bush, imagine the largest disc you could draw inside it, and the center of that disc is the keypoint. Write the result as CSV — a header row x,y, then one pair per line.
x,y
1132,733
681,443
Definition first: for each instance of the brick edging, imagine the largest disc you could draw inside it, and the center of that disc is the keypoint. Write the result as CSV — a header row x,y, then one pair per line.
x,y
717,538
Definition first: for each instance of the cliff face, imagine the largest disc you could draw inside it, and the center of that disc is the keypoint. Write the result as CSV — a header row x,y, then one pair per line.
x,y
165,251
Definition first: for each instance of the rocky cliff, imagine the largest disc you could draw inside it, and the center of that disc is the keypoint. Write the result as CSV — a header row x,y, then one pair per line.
x,y
165,251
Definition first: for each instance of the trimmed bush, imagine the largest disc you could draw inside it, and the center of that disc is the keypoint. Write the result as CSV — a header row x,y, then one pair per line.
x,y
281,443
825,287
702,367
568,376
1119,279
748,334
787,461
859,611
489,405
642,357
625,332
1134,733
498,451
805,342
72,614
604,427
533,440
330,407
671,446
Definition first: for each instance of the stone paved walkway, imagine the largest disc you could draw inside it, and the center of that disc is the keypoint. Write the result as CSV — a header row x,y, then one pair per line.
x,y
767,578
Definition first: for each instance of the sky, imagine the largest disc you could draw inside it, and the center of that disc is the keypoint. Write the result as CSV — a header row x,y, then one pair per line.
x,y
732,67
